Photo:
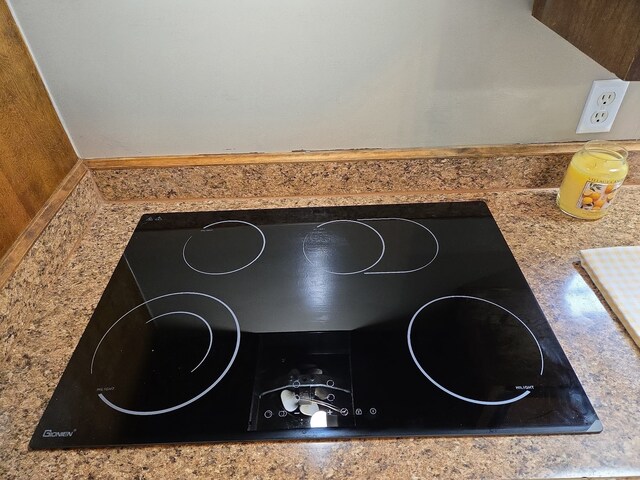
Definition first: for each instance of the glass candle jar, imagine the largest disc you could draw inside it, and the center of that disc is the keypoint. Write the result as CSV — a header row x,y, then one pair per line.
x,y
592,180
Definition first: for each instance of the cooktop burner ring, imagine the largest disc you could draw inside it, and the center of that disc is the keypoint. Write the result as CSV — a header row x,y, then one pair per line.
x,y
357,222
450,392
227,272
199,395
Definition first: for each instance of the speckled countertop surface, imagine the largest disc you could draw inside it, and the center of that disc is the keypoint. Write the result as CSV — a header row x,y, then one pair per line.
x,y
40,327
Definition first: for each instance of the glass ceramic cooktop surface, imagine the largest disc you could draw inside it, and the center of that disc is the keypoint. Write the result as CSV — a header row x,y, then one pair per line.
x,y
387,320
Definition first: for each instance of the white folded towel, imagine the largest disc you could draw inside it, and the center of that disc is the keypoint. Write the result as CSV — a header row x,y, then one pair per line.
x,y
616,273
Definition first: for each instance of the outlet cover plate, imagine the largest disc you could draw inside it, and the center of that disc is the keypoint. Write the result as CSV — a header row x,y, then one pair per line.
x,y
602,105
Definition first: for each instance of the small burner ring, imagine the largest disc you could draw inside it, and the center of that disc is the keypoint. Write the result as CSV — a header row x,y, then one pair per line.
x,y
227,272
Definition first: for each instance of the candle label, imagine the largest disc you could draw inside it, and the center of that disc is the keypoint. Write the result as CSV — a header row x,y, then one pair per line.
x,y
597,196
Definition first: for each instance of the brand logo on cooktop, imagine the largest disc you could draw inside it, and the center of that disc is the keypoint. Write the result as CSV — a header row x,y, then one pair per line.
x,y
50,433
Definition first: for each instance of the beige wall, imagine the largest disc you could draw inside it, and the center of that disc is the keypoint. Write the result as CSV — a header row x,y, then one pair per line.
x,y
199,76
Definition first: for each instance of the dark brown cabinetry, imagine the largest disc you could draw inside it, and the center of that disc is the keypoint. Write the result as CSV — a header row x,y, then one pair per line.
x,y
608,31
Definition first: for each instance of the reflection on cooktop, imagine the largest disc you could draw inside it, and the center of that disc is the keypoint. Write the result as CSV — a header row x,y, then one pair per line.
x,y
386,320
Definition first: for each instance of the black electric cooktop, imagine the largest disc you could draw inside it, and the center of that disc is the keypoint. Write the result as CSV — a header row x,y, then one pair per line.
x,y
387,320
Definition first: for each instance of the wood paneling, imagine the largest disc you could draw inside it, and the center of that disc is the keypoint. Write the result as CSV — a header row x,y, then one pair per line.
x,y
484,151
24,239
606,30
35,153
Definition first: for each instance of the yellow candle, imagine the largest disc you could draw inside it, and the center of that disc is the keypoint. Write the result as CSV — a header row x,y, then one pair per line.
x,y
592,180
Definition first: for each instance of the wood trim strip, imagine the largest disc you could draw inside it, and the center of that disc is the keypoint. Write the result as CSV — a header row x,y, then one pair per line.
x,y
342,155
30,234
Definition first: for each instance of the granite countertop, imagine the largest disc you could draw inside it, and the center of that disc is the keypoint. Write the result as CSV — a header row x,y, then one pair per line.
x,y
44,309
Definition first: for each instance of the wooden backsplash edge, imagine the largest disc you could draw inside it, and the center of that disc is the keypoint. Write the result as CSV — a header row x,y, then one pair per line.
x,y
482,151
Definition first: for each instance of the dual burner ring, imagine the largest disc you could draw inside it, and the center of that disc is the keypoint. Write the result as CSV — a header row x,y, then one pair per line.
x,y
320,245
227,320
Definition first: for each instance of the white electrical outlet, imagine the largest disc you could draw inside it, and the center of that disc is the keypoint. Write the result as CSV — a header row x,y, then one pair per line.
x,y
602,106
